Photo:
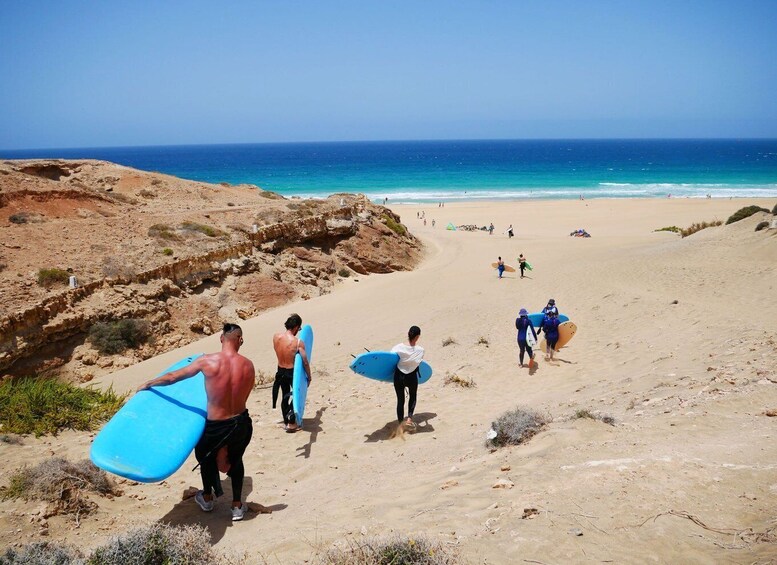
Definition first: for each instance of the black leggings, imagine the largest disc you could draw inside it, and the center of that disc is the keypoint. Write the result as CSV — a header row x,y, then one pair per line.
x,y
522,266
524,348
283,380
234,433
551,344
402,381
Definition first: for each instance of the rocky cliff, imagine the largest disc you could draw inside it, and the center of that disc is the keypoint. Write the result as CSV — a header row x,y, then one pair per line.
x,y
183,255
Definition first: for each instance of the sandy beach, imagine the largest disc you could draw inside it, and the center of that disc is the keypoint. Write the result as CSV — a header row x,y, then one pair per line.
x,y
677,341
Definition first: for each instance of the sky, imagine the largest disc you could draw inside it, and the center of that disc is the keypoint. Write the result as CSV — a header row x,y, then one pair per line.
x,y
105,73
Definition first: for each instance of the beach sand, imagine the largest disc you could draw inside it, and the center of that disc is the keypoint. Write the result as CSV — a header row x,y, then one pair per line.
x,y
677,341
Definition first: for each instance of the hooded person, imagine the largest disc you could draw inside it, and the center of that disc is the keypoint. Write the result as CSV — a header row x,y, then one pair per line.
x,y
525,328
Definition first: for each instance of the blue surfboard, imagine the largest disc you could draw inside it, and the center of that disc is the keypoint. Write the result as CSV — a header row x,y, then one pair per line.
x,y
151,436
380,365
299,382
536,319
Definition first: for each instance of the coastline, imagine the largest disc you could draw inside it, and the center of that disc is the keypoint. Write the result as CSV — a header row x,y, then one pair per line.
x,y
679,385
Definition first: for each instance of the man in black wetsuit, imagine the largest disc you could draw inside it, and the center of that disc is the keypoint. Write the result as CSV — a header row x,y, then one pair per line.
x,y
229,379
287,345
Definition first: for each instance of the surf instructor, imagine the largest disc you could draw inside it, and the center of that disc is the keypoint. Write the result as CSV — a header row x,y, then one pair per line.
x,y
229,379
287,345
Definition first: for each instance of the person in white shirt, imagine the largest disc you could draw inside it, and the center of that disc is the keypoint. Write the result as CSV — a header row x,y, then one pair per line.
x,y
406,373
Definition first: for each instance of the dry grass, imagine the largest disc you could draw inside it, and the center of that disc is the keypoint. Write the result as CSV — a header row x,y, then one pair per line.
x,y
516,426
118,268
482,341
41,553
698,226
587,414
53,276
448,341
454,379
396,550
163,231
209,231
262,378
63,484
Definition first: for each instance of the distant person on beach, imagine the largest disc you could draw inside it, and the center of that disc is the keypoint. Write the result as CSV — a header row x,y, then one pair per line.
x,y
521,263
433,222
287,345
500,265
510,231
406,374
229,379
550,327
524,326
491,229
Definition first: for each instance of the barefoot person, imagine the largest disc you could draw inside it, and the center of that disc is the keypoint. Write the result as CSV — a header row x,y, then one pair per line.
x,y
286,345
500,265
522,263
550,327
406,374
229,379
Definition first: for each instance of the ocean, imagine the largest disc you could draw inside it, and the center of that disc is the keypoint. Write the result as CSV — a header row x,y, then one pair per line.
x,y
432,171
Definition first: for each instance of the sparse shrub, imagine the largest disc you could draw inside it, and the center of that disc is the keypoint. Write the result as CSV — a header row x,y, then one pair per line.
x,y
516,426
41,553
202,228
158,543
396,550
230,204
20,218
270,195
114,337
448,341
12,440
482,341
345,273
761,226
394,226
743,213
119,197
585,413
116,268
53,276
60,482
698,226
45,406
464,382
146,193
3,266
262,378
673,229
163,231
774,210
167,251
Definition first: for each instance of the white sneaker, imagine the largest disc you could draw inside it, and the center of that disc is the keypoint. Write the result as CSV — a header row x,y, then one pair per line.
x,y
238,513
206,505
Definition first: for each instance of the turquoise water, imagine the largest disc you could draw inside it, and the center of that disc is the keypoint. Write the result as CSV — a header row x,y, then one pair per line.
x,y
430,171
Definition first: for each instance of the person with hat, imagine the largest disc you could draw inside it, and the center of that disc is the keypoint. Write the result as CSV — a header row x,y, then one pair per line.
x,y
550,327
524,325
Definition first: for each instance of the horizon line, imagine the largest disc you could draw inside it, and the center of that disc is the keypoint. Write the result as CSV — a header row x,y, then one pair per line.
x,y
355,141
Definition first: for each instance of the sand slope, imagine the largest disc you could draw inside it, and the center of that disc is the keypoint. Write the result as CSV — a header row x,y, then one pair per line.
x,y
687,384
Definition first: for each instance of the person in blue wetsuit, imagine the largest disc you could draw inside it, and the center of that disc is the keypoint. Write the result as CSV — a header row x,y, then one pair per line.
x,y
551,307
550,327
524,326
500,265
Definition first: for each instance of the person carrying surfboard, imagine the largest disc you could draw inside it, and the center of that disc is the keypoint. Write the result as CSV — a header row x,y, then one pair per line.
x,y
525,330
229,379
550,327
522,266
287,345
551,307
406,374
500,265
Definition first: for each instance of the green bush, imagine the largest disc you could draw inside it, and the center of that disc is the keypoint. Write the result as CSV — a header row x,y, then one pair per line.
x,y
673,229
20,218
51,277
516,426
394,226
397,550
167,251
114,337
163,231
45,406
202,228
761,226
745,212
345,273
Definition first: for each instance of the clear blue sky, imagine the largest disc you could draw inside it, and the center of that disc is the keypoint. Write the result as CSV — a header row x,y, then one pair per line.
x,y
104,73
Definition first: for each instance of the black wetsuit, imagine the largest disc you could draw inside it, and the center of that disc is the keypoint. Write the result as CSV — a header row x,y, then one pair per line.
x,y
402,381
283,380
234,433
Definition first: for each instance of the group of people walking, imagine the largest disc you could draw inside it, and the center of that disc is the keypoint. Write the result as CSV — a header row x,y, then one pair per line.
x,y
525,327
230,378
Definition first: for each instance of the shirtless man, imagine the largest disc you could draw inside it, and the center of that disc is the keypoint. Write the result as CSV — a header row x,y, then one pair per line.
x,y
286,346
229,379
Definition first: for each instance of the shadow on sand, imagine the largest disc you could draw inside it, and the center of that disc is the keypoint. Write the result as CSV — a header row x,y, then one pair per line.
x,y
312,425
186,512
389,431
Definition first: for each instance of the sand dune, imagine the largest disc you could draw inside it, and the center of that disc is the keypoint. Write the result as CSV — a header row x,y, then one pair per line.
x,y
687,384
